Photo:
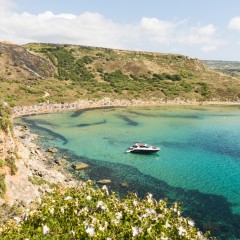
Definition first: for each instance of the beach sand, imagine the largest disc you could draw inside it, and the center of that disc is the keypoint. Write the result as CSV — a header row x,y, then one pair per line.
x,y
107,102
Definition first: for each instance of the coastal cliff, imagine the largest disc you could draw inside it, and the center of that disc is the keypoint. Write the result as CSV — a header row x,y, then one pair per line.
x,y
26,170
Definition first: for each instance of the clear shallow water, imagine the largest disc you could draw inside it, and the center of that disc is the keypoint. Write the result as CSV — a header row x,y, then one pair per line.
x,y
199,161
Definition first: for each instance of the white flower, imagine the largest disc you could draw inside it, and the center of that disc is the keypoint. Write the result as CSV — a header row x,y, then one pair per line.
x,y
51,210
105,189
150,211
17,220
99,204
136,231
167,225
149,198
101,228
102,205
191,223
149,230
135,202
116,221
88,198
119,215
181,231
46,229
72,232
26,215
68,198
90,231
200,235
62,210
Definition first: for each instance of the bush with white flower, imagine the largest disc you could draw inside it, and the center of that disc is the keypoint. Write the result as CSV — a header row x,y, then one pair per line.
x,y
92,213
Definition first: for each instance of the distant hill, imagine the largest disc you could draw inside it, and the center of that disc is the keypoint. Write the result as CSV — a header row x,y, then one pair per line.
x,y
230,67
38,72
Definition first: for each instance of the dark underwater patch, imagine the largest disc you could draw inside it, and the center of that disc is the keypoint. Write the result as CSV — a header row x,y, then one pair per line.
x,y
179,116
81,111
45,122
91,124
32,124
141,113
129,121
218,143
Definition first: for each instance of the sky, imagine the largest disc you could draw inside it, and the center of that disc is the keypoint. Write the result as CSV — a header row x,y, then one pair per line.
x,y
206,29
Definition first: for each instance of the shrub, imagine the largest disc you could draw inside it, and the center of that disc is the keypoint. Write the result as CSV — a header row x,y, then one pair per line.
x,y
5,117
2,162
89,213
3,187
10,162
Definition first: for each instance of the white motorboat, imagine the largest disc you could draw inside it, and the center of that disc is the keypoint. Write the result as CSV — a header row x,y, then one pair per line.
x,y
142,148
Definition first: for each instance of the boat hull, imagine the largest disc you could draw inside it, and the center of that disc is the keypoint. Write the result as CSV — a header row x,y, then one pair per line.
x,y
140,151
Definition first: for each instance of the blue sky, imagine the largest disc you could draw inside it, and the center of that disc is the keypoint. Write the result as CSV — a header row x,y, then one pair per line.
x,y
207,29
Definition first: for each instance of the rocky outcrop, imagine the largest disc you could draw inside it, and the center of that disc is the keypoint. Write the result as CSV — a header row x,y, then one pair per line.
x,y
38,170
17,61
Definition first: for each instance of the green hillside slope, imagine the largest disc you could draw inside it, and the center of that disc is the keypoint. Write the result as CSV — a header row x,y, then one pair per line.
x,y
65,73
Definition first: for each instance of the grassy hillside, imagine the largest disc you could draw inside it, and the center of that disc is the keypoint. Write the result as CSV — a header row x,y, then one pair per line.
x,y
64,73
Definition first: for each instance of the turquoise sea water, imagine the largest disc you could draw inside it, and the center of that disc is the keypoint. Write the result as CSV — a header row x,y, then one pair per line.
x,y
198,165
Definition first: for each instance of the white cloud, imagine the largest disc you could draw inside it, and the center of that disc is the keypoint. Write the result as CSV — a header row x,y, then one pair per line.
x,y
155,25
156,30
207,30
5,4
209,48
234,23
93,29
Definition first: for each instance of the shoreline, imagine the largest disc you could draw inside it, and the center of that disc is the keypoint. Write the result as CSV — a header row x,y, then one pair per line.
x,y
43,108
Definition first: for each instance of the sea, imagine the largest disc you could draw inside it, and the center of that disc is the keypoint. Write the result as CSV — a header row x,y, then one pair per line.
x,y
198,164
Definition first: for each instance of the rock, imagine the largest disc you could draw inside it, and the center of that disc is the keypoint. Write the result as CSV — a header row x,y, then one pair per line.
x,y
104,181
80,166
58,161
52,150
124,184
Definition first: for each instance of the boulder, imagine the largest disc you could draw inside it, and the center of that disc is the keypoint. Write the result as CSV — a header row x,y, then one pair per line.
x,y
80,166
52,150
104,181
124,184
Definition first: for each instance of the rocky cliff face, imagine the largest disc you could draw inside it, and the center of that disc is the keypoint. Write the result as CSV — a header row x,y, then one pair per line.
x,y
26,170
17,61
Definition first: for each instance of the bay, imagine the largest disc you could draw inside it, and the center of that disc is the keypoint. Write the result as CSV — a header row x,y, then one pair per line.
x,y
198,165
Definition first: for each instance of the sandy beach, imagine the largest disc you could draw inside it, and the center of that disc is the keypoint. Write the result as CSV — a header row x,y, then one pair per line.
x,y
107,102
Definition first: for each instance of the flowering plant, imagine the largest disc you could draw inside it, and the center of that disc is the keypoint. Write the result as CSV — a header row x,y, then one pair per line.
x,y
92,213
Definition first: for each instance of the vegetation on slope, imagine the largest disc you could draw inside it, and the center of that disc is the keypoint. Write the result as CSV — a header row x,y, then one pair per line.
x,y
5,117
90,213
6,130
78,72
